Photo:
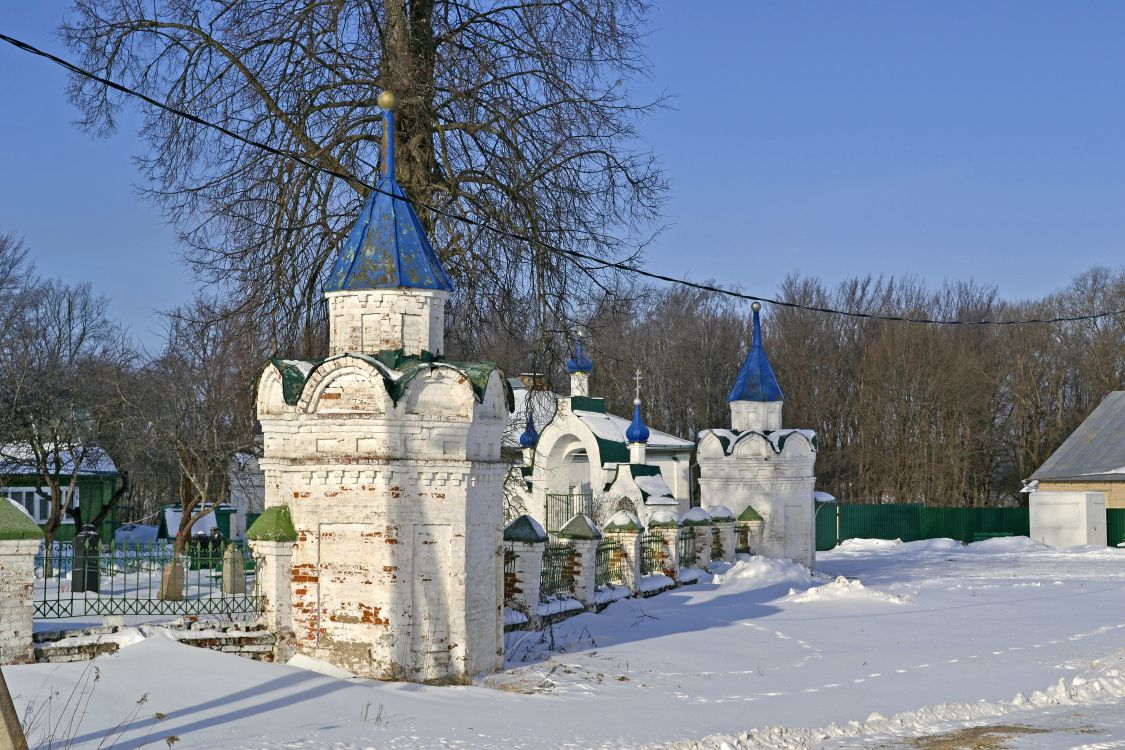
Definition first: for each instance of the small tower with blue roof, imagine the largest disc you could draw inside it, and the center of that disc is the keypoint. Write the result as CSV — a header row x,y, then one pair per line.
x,y
579,366
387,289
756,399
637,433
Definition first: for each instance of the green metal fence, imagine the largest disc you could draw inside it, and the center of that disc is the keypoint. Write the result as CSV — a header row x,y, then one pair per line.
x,y
609,564
145,579
686,549
652,553
562,507
717,552
911,522
509,575
1115,526
557,576
742,539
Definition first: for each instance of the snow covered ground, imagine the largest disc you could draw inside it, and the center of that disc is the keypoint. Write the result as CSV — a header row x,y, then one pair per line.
x,y
887,643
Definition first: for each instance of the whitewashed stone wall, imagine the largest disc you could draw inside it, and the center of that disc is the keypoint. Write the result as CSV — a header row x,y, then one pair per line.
x,y
396,573
17,580
382,320
779,485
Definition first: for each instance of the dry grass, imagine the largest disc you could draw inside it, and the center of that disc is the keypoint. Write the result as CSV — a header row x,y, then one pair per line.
x,y
974,738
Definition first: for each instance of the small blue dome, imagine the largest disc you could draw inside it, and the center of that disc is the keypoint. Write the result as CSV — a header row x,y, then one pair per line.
x,y
638,431
529,438
579,362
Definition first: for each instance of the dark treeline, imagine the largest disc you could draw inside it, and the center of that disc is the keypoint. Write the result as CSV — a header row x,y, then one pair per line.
x,y
945,415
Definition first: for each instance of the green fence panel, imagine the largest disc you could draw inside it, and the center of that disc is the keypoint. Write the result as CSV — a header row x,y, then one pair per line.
x,y
901,521
826,526
1115,526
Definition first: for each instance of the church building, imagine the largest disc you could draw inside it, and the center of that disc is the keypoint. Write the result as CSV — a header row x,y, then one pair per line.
x,y
579,458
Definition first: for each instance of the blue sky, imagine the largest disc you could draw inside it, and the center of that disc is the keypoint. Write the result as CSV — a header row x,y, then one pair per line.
x,y
941,140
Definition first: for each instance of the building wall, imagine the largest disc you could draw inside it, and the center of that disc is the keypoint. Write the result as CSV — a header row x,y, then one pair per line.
x,y
1114,491
778,485
384,320
94,491
396,573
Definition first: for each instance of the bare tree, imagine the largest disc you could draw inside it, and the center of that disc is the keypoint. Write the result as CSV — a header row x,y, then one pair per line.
x,y
514,114
191,403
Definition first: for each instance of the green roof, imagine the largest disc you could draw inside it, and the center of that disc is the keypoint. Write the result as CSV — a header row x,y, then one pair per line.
x,y
15,524
580,527
524,529
749,514
274,525
294,376
587,403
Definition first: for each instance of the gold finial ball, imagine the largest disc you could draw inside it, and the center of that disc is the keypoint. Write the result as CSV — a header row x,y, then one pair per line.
x,y
756,306
387,100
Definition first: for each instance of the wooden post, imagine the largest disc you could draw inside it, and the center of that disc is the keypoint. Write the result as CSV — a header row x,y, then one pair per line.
x,y
11,733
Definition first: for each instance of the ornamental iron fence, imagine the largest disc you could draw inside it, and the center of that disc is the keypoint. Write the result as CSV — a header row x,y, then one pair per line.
x,y
686,549
652,553
742,539
557,576
509,575
717,552
609,565
562,507
92,578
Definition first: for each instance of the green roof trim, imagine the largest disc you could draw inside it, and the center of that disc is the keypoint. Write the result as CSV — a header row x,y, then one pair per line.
x,y
612,452
274,525
524,529
15,524
663,523
644,470
623,520
749,515
294,377
580,527
587,403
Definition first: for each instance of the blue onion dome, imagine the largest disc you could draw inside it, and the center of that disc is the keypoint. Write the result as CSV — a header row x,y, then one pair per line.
x,y
579,362
638,431
529,438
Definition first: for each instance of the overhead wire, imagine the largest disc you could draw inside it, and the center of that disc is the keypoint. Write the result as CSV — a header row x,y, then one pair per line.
x,y
567,252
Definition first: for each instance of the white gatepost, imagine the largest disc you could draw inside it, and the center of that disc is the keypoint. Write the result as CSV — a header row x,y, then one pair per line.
x,y
697,521
271,538
20,539
665,524
526,539
584,537
722,521
625,529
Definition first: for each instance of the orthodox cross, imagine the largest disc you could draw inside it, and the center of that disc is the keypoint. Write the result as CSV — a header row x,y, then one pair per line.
x,y
637,377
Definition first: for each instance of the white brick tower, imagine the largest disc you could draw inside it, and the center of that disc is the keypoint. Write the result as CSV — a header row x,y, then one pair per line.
x,y
387,457
758,464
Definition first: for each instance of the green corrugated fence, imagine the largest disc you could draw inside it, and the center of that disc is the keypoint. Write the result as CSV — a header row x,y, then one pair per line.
x,y
1115,526
911,522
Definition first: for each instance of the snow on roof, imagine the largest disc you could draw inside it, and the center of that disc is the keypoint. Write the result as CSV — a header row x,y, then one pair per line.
x,y
605,426
654,487
202,526
823,497
16,458
613,427
697,514
1095,449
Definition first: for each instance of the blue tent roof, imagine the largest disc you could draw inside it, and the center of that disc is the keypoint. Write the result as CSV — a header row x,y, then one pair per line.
x,y
387,247
579,362
756,381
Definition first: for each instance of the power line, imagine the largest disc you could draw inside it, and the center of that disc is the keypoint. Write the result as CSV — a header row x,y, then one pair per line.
x,y
572,254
